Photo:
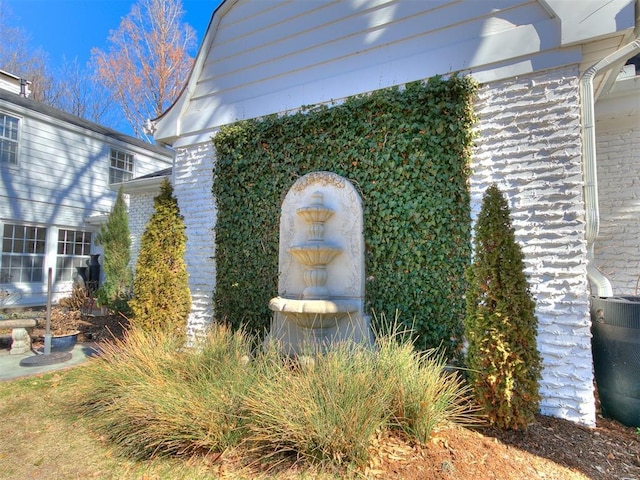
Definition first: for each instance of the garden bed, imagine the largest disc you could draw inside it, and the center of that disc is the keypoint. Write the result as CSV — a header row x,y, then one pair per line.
x,y
92,327
96,326
551,448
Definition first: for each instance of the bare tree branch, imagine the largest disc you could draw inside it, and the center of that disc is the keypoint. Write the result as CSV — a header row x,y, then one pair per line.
x,y
147,61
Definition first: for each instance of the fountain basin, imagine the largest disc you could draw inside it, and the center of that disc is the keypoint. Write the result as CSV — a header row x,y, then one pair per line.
x,y
321,313
314,254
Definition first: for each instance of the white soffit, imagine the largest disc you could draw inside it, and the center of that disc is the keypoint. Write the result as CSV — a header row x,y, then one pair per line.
x,y
582,20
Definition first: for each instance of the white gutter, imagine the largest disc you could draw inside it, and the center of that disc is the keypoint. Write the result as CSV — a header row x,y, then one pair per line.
x,y
141,185
598,280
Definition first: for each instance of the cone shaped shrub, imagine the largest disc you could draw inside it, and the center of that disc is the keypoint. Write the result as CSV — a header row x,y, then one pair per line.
x,y
116,242
500,324
161,296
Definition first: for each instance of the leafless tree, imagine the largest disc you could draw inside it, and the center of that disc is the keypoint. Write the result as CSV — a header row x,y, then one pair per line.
x,y
18,59
78,92
147,60
69,88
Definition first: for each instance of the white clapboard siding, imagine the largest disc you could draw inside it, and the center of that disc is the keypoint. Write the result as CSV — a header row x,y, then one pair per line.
x,y
266,57
408,25
263,57
62,176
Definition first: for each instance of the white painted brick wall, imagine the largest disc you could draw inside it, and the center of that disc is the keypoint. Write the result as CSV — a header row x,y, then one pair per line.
x,y
617,248
529,144
140,210
193,184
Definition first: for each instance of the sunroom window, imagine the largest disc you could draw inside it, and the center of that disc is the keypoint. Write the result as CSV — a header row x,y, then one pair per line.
x,y
74,247
23,252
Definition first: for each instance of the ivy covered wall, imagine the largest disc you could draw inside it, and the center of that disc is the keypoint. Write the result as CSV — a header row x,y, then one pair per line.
x,y
407,152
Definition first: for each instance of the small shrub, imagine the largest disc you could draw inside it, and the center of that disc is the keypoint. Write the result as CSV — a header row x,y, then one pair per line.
x,y
500,324
115,239
162,300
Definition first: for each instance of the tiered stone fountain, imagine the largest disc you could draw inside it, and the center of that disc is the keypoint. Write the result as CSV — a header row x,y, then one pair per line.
x,y
321,280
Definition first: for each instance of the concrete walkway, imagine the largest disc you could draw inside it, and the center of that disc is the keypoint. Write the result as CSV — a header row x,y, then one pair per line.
x,y
10,367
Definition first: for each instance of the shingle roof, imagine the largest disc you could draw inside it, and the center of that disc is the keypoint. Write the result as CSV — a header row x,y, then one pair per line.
x,y
78,121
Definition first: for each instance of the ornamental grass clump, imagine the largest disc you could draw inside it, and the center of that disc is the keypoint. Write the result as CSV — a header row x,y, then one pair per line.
x,y
328,407
500,325
324,409
152,399
426,394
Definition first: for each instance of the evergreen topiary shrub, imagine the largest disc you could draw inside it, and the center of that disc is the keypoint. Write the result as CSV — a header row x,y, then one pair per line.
x,y
161,297
115,239
500,324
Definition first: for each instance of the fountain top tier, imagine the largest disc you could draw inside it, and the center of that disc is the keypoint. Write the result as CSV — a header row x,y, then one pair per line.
x,y
316,212
315,254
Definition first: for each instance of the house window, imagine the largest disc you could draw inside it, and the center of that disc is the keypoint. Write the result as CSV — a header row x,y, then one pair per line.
x,y
121,168
8,139
74,247
23,250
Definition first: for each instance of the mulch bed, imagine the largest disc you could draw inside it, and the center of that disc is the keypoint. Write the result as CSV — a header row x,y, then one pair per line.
x,y
93,327
96,326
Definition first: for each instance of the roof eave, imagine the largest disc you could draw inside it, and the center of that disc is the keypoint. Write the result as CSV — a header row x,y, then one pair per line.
x,y
168,125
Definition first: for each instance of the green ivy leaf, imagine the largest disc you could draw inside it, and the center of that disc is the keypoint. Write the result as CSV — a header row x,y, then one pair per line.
x,y
406,152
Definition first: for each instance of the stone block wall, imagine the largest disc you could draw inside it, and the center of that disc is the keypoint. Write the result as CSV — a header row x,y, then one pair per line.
x,y
617,248
529,143
193,184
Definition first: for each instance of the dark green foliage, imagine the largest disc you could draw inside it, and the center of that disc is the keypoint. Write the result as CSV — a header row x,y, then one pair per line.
x,y
501,325
116,242
161,296
406,151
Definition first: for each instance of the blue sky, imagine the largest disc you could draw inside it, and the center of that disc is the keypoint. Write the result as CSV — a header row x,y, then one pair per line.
x,y
72,28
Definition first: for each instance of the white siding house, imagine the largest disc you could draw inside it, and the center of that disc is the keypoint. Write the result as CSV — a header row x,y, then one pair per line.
x,y
617,251
55,175
535,62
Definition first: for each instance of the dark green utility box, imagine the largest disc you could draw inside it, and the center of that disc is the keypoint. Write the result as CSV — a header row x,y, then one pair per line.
x,y
615,325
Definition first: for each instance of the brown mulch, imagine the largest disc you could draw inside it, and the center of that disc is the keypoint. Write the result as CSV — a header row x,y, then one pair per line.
x,y
94,326
549,449
91,327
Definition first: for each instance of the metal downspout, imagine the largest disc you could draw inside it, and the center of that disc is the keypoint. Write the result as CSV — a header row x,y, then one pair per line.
x,y
598,280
